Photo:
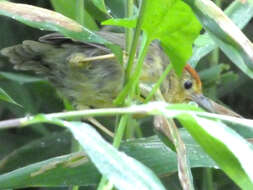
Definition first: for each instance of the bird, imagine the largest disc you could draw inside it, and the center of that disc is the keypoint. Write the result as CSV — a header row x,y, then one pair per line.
x,y
89,75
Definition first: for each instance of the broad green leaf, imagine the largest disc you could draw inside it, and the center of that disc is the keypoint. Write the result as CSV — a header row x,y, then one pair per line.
x,y
123,171
225,34
150,151
69,9
230,151
239,13
173,23
5,97
52,21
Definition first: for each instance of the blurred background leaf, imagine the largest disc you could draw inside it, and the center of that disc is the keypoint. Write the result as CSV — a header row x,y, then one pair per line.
x,y
36,96
150,151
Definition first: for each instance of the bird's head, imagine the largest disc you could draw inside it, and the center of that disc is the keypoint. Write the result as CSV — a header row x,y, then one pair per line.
x,y
185,88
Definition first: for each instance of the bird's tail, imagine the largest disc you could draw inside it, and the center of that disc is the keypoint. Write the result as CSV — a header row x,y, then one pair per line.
x,y
28,56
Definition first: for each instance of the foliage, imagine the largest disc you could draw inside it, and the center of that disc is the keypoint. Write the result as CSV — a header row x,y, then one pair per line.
x,y
43,153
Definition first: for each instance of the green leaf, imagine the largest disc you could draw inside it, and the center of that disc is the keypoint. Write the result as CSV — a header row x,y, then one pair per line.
x,y
173,23
53,172
52,21
70,9
204,44
225,34
75,169
230,151
100,4
126,22
20,78
5,97
123,171
52,145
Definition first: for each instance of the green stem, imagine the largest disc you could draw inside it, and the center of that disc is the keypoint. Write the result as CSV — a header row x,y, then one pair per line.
x,y
134,80
139,133
129,31
208,179
152,108
158,83
120,131
214,60
135,39
80,12
75,187
136,75
131,85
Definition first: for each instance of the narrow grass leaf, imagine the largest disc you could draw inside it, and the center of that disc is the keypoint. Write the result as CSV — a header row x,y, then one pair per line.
x,y
231,152
45,19
226,34
240,13
5,97
20,78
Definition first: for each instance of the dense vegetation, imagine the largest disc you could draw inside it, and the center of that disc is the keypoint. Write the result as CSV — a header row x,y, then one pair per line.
x,y
38,152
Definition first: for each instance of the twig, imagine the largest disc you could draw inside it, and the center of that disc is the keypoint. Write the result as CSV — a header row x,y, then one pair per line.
x,y
18,122
97,124
170,130
100,57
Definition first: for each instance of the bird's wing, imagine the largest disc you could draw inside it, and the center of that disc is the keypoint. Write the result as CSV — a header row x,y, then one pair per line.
x,y
57,38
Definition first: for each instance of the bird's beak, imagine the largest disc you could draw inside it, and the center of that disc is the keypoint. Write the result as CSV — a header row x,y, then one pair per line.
x,y
212,106
203,102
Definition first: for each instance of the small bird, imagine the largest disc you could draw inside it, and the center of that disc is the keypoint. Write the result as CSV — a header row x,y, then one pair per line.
x,y
89,75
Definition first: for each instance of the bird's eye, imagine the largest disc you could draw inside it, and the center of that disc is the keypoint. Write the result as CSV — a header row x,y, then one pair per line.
x,y
187,85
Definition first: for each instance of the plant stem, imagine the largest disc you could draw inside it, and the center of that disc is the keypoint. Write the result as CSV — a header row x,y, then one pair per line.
x,y
120,131
129,31
208,179
152,108
170,130
75,187
142,54
130,81
80,12
133,81
135,39
158,83
214,60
